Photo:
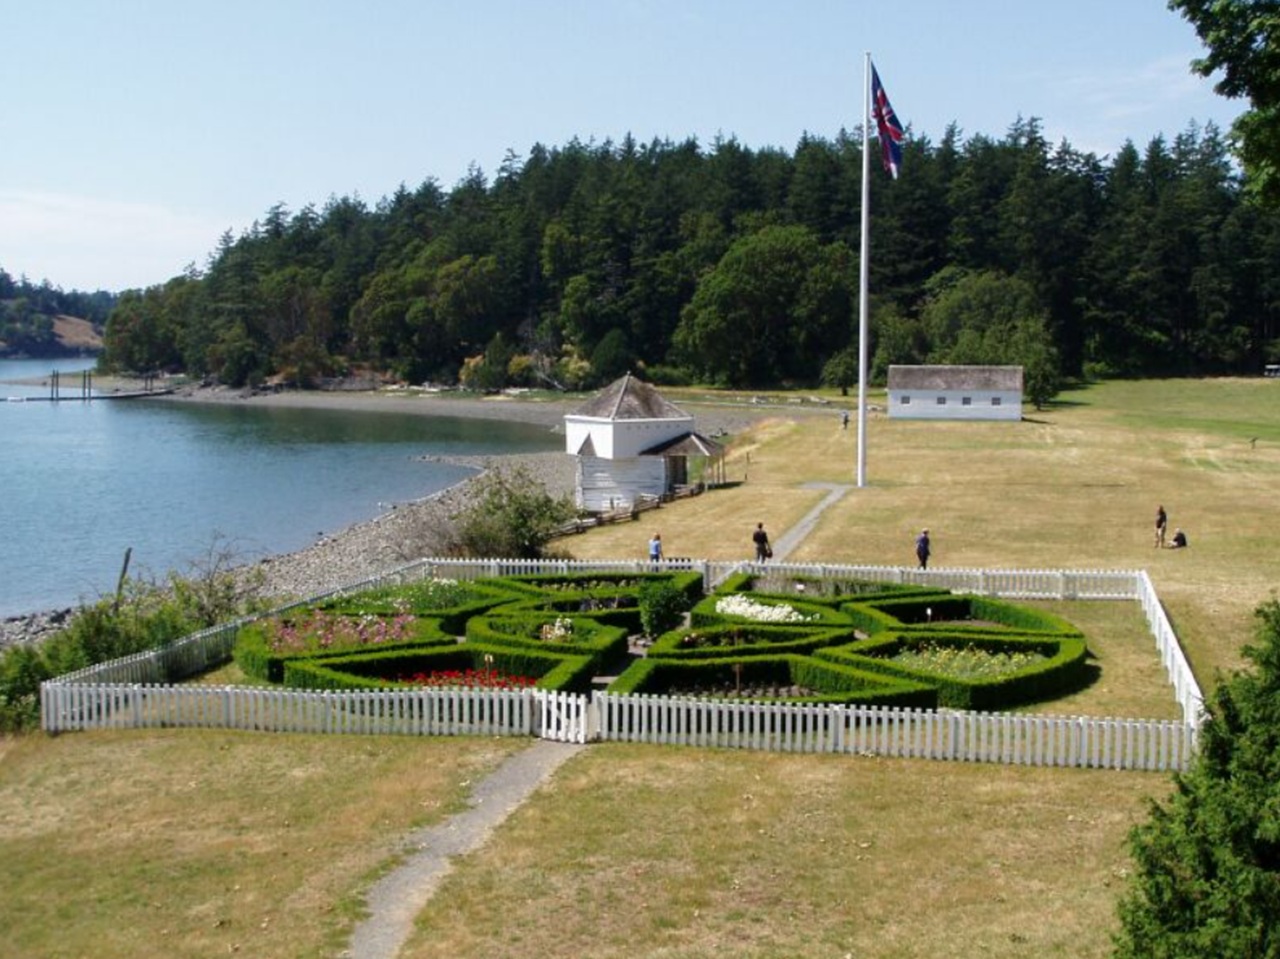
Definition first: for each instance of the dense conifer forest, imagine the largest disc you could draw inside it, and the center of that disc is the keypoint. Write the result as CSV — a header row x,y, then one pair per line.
x,y
723,264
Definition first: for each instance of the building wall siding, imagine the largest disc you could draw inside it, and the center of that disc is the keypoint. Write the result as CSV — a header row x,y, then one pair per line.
x,y
924,404
605,484
621,439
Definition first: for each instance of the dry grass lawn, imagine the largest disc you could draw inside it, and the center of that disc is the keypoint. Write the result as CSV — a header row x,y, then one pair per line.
x,y
188,843
653,851
191,843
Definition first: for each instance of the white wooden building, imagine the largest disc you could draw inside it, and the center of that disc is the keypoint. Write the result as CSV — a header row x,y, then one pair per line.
x,y
955,392
633,444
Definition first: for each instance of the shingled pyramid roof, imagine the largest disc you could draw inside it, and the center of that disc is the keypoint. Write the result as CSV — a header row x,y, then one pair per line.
x,y
628,398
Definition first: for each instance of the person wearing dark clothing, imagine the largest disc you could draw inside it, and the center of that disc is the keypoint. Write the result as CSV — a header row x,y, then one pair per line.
x,y
1162,522
1179,539
922,548
761,539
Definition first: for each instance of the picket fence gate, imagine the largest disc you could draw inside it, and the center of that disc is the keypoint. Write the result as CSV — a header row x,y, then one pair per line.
x,y
138,691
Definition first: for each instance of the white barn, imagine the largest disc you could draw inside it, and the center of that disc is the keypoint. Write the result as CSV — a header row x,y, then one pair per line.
x,y
631,444
955,392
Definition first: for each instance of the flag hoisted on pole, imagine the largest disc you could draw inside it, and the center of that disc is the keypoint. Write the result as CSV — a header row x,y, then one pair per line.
x,y
875,103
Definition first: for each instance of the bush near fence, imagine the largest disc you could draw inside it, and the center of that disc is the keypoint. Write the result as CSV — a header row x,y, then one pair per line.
x,y
563,672
1064,669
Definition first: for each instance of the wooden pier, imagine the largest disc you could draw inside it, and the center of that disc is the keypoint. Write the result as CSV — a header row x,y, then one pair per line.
x,y
84,390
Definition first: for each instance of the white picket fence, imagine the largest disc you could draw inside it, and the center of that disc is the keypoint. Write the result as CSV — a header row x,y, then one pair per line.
x,y
137,691
1009,738
1036,740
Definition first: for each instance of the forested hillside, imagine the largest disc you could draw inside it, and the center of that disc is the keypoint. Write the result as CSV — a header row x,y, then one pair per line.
x,y
738,266
33,319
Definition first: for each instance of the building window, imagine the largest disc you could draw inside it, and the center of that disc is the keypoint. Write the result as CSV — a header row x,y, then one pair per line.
x,y
966,401
905,399
995,400
942,401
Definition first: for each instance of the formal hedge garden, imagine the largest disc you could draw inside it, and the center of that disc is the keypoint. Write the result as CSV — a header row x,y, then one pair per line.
x,y
758,637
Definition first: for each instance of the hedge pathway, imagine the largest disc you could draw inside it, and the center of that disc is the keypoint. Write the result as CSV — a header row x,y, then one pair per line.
x,y
395,900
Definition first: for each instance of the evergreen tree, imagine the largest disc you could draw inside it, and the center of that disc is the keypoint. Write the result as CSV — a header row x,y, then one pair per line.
x,y
1207,881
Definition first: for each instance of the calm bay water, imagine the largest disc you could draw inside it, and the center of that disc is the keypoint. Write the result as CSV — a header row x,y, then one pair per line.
x,y
82,482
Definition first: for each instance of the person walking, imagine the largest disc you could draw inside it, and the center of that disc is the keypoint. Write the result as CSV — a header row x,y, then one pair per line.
x,y
655,548
1162,523
761,539
922,548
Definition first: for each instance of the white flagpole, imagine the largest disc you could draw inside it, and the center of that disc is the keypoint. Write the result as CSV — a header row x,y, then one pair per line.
x,y
863,272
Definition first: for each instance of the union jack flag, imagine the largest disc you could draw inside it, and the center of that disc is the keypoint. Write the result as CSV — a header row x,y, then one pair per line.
x,y
891,132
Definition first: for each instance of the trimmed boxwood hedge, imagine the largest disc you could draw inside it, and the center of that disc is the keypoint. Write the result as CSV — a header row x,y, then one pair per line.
x,y
948,612
839,683
365,670
815,589
410,598
604,583
253,655
1064,670
626,615
512,626
740,639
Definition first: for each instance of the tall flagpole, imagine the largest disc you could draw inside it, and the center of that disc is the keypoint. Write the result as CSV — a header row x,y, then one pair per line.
x,y
863,271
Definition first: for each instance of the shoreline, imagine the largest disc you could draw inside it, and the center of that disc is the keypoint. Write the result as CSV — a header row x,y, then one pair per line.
x,y
408,530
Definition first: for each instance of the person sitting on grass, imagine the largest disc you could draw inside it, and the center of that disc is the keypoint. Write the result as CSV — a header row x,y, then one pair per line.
x,y
1179,539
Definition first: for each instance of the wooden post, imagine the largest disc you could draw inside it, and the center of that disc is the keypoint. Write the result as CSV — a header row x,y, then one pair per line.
x,y
124,572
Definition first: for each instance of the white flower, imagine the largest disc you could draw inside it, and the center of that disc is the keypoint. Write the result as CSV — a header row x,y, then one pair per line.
x,y
744,607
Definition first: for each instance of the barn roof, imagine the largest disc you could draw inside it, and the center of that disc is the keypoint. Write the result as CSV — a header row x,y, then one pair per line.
x,y
689,444
955,377
628,398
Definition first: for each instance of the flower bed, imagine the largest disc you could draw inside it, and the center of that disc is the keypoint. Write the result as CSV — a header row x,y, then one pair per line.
x,y
464,679
262,648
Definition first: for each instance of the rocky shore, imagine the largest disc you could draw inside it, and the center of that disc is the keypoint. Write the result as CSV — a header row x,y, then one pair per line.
x,y
407,531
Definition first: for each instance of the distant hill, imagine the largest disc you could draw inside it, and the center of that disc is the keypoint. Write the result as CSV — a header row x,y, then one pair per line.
x,y
40,336
77,334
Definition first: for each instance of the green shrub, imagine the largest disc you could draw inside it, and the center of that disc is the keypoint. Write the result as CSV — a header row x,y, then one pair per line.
x,y
662,607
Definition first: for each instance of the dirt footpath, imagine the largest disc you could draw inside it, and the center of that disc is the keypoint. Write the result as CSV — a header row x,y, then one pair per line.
x,y
395,900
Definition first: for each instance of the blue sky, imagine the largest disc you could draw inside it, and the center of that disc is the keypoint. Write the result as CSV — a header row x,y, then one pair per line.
x,y
138,131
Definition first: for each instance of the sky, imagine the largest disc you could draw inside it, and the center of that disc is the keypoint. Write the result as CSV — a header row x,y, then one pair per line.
x,y
137,132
